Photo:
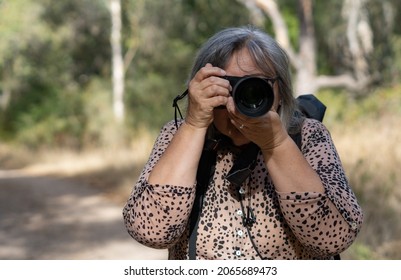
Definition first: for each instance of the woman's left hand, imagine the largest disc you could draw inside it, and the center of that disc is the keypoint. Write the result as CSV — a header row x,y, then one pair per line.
x,y
266,131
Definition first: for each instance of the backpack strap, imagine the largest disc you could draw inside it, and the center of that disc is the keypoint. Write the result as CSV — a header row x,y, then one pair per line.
x,y
297,138
204,174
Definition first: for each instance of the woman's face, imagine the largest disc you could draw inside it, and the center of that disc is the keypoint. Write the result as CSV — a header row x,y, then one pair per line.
x,y
239,65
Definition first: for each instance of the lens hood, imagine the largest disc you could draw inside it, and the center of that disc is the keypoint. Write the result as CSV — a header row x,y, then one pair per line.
x,y
253,96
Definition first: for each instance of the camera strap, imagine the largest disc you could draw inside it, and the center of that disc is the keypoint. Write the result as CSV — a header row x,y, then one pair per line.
x,y
243,165
177,108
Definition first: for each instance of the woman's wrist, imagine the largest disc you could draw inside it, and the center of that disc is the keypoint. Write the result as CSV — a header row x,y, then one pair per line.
x,y
277,144
193,127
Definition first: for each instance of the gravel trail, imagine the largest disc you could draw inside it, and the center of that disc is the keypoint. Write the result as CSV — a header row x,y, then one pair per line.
x,y
44,218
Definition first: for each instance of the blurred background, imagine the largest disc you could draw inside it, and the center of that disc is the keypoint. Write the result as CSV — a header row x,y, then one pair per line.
x,y
85,86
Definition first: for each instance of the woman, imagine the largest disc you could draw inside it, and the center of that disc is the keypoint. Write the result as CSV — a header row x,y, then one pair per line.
x,y
298,201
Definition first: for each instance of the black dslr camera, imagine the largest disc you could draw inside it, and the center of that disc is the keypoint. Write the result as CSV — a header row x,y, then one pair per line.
x,y
253,96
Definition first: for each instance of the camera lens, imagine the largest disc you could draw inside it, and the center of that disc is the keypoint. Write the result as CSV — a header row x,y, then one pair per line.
x,y
253,96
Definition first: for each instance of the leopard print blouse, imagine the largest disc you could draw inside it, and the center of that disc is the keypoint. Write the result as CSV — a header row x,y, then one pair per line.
x,y
291,225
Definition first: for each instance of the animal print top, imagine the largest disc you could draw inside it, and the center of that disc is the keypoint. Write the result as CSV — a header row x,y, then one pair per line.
x,y
295,225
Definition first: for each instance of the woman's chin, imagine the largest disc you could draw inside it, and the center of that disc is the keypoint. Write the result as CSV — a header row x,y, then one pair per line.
x,y
239,140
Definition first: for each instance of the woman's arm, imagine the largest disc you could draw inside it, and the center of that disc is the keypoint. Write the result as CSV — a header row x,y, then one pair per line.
x,y
289,170
179,162
158,209
328,222
157,214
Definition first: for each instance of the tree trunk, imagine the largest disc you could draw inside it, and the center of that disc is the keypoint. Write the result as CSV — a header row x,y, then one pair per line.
x,y
5,98
360,38
117,61
306,78
305,61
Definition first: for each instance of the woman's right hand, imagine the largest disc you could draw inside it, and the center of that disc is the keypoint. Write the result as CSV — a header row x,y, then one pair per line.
x,y
207,90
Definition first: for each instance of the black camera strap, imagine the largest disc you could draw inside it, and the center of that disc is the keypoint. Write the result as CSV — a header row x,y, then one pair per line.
x,y
243,165
177,108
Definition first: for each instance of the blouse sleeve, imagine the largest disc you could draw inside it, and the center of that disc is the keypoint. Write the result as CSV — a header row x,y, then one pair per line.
x,y
326,223
157,215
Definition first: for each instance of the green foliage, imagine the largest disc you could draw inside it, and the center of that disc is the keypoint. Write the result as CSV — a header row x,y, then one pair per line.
x,y
206,17
85,26
49,53
360,251
100,127
52,123
385,60
343,108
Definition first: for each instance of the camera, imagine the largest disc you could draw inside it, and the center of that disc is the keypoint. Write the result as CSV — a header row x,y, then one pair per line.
x,y
253,96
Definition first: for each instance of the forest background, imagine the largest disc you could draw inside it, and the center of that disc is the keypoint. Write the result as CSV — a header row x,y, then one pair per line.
x,y
85,85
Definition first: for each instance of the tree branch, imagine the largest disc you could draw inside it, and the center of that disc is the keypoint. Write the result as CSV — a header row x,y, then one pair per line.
x,y
280,27
346,81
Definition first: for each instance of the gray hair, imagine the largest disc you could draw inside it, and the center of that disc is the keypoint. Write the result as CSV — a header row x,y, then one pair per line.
x,y
266,53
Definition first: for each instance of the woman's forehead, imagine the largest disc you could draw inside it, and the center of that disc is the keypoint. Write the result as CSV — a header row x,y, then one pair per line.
x,y
241,63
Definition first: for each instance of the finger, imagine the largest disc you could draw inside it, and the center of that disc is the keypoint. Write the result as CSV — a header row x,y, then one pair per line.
x,y
209,71
217,86
238,121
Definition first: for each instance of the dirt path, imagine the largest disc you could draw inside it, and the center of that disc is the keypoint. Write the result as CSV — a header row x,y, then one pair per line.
x,y
49,218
